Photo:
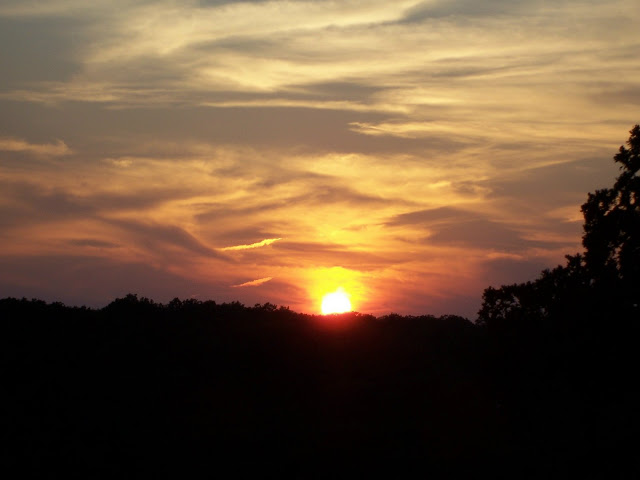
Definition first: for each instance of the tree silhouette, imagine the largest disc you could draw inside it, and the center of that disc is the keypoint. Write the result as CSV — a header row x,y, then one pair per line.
x,y
563,348
605,280
612,230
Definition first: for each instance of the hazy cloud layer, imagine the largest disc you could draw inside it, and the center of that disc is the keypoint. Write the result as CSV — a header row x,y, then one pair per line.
x,y
412,151
16,145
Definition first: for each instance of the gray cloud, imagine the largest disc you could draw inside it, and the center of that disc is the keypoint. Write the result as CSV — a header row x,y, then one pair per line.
x,y
542,186
245,236
443,8
455,227
31,203
36,50
429,216
483,233
156,237
328,194
359,91
305,129
217,3
92,242
615,94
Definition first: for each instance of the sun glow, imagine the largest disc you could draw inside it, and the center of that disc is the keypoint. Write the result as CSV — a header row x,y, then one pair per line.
x,y
335,289
336,302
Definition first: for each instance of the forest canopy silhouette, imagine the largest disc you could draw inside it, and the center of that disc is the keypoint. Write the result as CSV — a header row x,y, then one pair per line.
x,y
542,382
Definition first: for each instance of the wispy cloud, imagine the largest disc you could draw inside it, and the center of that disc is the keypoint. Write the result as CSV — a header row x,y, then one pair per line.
x,y
425,146
253,283
267,241
56,149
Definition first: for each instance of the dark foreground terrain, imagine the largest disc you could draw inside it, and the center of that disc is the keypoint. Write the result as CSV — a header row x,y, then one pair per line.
x,y
139,387
544,384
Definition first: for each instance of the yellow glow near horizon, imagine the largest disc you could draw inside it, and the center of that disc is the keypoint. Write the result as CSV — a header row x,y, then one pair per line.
x,y
336,302
325,281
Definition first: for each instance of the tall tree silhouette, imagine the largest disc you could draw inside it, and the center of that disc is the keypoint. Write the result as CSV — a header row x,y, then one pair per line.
x,y
605,280
563,348
612,230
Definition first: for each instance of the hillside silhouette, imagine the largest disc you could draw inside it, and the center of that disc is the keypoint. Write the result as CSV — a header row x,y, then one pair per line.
x,y
542,384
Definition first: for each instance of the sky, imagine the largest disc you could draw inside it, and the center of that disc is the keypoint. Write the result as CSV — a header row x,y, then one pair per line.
x,y
411,152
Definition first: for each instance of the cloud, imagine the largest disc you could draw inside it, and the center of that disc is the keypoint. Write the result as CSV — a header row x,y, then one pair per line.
x,y
411,142
36,50
92,242
433,9
484,233
299,194
430,216
27,203
266,241
253,283
317,254
59,148
157,237
396,130
121,162
457,227
31,8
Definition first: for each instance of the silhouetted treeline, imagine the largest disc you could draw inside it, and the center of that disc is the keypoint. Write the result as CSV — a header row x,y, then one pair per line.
x,y
143,387
564,348
139,385
542,385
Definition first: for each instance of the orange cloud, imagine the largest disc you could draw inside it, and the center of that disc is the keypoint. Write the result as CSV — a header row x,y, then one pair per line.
x,y
48,149
267,241
420,152
253,283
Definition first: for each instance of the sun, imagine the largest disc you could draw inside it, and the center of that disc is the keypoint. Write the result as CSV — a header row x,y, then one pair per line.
x,y
336,302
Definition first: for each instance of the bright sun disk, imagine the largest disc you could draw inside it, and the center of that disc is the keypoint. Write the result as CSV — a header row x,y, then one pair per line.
x,y
336,302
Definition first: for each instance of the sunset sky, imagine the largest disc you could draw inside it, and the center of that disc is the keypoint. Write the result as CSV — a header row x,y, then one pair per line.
x,y
411,152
